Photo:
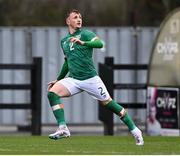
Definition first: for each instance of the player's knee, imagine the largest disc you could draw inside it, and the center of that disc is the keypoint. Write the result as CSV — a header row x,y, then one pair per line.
x,y
106,101
50,95
122,113
53,97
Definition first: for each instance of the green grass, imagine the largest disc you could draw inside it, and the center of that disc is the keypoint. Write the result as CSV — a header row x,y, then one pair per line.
x,y
97,145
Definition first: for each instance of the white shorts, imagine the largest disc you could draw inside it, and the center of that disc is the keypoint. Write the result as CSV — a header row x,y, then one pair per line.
x,y
93,86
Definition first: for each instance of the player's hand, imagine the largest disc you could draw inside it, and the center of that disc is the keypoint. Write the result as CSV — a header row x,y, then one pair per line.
x,y
76,40
50,84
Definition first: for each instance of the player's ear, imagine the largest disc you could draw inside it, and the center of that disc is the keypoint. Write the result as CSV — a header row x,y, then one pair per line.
x,y
67,21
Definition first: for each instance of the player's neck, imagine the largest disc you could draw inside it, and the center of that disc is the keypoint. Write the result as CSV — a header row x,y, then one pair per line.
x,y
72,31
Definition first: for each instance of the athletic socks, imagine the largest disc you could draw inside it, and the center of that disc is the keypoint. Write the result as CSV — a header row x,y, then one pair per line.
x,y
58,110
120,111
128,121
57,107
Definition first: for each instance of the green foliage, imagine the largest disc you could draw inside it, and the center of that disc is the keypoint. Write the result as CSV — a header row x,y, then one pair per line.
x,y
88,145
95,12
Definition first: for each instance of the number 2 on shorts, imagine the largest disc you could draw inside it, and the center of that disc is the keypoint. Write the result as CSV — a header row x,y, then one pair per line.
x,y
101,91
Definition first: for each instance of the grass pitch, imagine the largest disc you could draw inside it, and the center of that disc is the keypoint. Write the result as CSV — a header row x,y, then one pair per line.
x,y
88,145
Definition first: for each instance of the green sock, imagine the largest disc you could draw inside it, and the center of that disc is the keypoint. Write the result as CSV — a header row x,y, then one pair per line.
x,y
128,121
57,107
116,108
59,115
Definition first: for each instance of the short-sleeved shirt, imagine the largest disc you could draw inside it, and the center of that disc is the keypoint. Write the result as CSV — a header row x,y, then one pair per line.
x,y
79,57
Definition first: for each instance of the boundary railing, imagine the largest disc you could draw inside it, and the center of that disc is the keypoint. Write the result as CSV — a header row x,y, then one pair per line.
x,y
35,92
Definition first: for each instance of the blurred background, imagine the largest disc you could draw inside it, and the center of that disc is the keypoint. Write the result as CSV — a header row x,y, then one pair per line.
x,y
95,12
33,28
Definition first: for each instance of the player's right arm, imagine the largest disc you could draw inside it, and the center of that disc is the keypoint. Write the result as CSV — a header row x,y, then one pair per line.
x,y
62,73
64,70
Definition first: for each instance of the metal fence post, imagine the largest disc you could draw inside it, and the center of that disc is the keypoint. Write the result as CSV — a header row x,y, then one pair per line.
x,y
106,74
36,76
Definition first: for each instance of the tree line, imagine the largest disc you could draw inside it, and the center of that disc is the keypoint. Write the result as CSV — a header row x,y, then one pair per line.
x,y
95,12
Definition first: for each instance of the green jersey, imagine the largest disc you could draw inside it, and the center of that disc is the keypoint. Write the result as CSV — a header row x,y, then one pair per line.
x,y
79,57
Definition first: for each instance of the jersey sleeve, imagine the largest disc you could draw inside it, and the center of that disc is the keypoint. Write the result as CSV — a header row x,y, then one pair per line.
x,y
61,42
61,45
89,35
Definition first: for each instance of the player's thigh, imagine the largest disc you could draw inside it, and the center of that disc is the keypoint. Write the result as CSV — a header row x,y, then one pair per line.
x,y
70,86
60,90
95,87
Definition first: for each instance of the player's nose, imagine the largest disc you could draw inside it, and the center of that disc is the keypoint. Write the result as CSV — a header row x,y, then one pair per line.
x,y
79,20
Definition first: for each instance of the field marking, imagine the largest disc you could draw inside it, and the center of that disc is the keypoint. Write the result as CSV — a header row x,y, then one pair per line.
x,y
5,149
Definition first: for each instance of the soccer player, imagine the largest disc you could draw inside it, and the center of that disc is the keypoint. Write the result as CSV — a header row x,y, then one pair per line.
x,y
78,50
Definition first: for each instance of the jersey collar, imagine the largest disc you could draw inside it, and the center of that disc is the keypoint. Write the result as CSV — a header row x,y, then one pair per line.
x,y
76,32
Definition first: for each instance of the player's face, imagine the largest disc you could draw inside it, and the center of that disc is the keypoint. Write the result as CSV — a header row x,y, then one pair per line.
x,y
74,20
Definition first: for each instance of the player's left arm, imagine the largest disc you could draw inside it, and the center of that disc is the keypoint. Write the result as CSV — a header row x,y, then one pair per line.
x,y
93,43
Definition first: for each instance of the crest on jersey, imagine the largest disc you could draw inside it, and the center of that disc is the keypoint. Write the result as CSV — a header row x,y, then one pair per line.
x,y
78,36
